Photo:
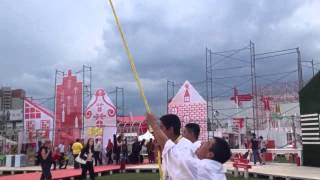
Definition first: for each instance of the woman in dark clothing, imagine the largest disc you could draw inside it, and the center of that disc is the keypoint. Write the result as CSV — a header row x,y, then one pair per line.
x,y
109,152
141,145
136,149
117,147
150,150
87,155
45,159
124,150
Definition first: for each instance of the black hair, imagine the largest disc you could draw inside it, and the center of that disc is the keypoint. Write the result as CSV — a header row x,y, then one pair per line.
x,y
221,150
254,135
260,137
171,120
87,146
194,129
119,138
77,140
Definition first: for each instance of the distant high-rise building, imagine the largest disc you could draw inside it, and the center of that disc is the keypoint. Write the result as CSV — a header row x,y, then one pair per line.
x,y
11,112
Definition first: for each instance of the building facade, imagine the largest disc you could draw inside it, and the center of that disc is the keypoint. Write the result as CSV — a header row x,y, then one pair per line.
x,y
190,107
11,112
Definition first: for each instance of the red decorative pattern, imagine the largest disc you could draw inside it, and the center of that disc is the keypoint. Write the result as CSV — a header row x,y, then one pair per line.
x,y
67,93
192,113
111,112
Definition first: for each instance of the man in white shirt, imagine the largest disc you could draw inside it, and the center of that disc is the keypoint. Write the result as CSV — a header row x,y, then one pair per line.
x,y
191,131
97,152
61,150
170,125
181,164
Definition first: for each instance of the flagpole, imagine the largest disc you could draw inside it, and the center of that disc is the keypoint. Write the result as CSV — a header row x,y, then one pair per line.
x,y
238,123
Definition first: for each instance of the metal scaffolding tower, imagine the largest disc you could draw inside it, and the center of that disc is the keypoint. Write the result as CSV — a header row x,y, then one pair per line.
x,y
170,93
209,92
120,101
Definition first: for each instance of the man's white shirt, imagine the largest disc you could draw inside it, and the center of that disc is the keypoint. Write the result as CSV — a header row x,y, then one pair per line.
x,y
181,163
61,148
172,165
196,145
97,147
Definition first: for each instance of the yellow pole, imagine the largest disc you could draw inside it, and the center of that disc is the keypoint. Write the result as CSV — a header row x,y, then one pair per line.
x,y
135,73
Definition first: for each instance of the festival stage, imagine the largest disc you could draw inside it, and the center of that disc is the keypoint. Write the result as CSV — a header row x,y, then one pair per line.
x,y
271,171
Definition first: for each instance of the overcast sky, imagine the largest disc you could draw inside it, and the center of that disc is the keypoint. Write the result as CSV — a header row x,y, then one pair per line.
x,y
167,39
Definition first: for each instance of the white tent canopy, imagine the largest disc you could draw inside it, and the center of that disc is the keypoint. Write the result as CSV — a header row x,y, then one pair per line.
x,y
8,141
146,136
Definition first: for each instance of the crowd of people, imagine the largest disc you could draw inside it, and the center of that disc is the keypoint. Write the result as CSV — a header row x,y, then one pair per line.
x,y
183,155
115,152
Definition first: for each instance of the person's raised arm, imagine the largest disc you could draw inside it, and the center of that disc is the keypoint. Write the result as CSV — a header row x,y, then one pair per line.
x,y
158,134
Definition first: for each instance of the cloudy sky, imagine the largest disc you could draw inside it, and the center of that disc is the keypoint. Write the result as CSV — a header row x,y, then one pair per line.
x,y
167,39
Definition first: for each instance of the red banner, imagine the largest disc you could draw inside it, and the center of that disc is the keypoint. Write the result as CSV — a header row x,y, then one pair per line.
x,y
266,102
238,124
238,98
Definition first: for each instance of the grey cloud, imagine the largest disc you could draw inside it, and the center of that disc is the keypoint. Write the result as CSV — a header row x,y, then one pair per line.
x,y
167,40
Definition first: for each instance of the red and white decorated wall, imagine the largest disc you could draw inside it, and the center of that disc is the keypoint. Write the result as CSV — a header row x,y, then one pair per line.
x,y
100,117
190,107
68,110
38,122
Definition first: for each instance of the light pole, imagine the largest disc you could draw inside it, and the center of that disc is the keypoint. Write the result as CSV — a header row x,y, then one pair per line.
x,y
294,132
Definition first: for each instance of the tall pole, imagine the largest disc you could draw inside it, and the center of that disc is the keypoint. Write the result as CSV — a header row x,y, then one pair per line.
x,y
207,92
167,101
55,104
117,99
54,107
83,97
239,121
300,77
253,86
211,91
294,132
122,94
312,67
90,94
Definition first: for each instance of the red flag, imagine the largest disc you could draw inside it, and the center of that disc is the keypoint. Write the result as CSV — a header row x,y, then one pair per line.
x,y
238,124
266,102
237,98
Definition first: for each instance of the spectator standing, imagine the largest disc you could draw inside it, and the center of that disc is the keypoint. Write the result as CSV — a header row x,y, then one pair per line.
x,y
56,158
87,154
135,153
46,161
62,153
97,152
150,151
117,147
76,150
263,149
255,149
109,149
